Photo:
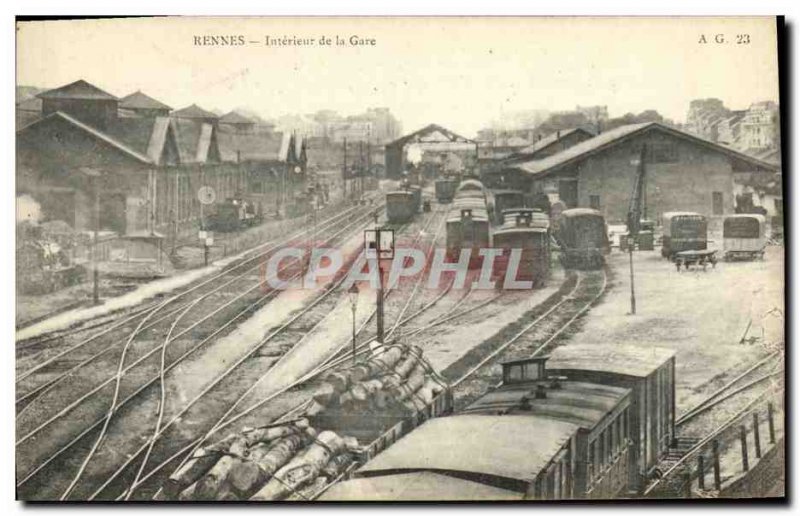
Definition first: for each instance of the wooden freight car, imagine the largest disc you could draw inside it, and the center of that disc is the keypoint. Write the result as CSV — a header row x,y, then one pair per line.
x,y
583,237
529,234
650,373
400,207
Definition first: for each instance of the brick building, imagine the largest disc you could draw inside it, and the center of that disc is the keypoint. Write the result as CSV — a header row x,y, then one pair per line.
x,y
684,172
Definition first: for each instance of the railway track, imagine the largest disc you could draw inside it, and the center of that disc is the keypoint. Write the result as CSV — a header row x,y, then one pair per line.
x,y
767,369
217,395
479,370
290,403
41,473
276,406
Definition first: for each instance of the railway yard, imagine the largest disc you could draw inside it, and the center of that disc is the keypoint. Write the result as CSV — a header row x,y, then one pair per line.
x,y
112,404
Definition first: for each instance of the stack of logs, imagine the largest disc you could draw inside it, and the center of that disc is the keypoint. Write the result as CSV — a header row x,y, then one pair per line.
x,y
396,379
291,461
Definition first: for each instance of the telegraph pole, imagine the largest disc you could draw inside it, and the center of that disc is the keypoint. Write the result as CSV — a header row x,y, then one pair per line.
x,y
634,217
96,273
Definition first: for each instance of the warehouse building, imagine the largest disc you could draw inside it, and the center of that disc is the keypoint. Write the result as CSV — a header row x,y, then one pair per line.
x,y
684,172
144,166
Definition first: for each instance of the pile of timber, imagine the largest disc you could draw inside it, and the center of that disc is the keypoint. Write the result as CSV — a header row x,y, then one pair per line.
x,y
290,461
395,380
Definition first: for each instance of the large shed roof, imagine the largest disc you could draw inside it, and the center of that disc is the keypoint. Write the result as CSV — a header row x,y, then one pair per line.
x,y
605,140
514,447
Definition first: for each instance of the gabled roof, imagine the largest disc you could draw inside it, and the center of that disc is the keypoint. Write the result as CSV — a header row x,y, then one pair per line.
x,y
193,111
428,129
608,139
77,90
235,118
114,141
547,141
138,100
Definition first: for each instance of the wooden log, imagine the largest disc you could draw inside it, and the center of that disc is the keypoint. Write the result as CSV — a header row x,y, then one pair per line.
x,y
198,465
339,380
364,390
325,394
209,487
247,476
407,364
314,408
210,483
267,434
415,380
377,365
302,469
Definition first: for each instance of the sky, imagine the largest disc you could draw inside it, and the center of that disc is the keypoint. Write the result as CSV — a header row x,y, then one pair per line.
x,y
459,72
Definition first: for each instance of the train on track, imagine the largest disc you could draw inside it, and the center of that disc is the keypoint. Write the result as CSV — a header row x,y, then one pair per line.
x,y
235,214
582,235
468,221
445,189
528,230
589,422
400,206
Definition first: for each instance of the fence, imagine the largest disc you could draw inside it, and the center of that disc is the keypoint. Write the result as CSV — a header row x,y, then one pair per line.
x,y
729,451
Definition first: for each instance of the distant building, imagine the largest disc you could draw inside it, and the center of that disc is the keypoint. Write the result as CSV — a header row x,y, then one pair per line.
x,y
95,105
760,127
237,122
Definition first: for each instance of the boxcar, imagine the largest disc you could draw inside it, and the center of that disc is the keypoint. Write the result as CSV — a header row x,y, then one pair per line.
x,y
400,207
445,189
583,238
650,374
744,236
532,236
683,231
506,200
467,227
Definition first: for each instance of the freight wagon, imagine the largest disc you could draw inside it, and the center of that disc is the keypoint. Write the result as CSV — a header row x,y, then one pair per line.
x,y
445,189
583,237
583,424
531,235
400,206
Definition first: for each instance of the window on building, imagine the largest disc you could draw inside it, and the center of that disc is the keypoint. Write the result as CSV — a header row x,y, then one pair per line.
x,y
716,203
594,202
663,153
